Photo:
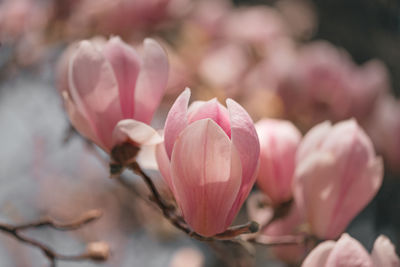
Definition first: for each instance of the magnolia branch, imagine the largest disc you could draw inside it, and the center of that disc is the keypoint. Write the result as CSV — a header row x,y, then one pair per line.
x,y
97,251
123,154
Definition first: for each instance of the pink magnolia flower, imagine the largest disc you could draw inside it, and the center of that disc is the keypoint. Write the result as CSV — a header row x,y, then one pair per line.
x,y
110,92
348,252
279,140
337,174
209,160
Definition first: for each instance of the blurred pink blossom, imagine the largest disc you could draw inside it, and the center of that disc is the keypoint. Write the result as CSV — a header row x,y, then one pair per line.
x,y
117,16
110,92
20,17
348,252
279,140
324,84
384,129
209,15
209,160
258,25
224,65
337,174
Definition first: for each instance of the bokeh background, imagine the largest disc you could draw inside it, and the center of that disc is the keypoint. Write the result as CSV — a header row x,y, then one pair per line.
x,y
306,61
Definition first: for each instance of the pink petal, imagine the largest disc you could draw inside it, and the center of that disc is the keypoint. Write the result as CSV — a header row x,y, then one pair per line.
x,y
336,181
146,157
164,166
360,174
126,66
78,120
176,120
319,255
94,90
63,67
206,173
384,253
135,131
213,110
245,139
314,189
313,139
348,252
152,81
279,140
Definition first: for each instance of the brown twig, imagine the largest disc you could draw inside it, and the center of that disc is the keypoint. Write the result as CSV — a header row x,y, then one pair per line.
x,y
16,232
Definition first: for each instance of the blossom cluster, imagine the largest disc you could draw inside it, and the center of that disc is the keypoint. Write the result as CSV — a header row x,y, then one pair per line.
x,y
289,127
210,155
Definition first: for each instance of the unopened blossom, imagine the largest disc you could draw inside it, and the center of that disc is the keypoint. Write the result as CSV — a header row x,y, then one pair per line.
x,y
337,175
348,252
209,159
279,140
111,92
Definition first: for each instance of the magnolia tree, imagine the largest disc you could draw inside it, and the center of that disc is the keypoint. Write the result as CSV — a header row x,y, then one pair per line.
x,y
210,156
290,183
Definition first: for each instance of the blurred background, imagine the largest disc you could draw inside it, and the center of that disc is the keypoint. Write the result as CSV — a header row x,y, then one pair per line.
x,y
302,60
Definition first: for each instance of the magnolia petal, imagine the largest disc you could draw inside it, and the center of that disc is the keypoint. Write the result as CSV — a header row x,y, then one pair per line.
x,y
206,173
348,252
314,190
245,139
279,140
94,90
195,105
319,255
313,139
384,254
176,120
359,174
146,157
347,133
126,65
354,197
213,110
337,180
63,67
78,120
135,131
164,166
152,81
